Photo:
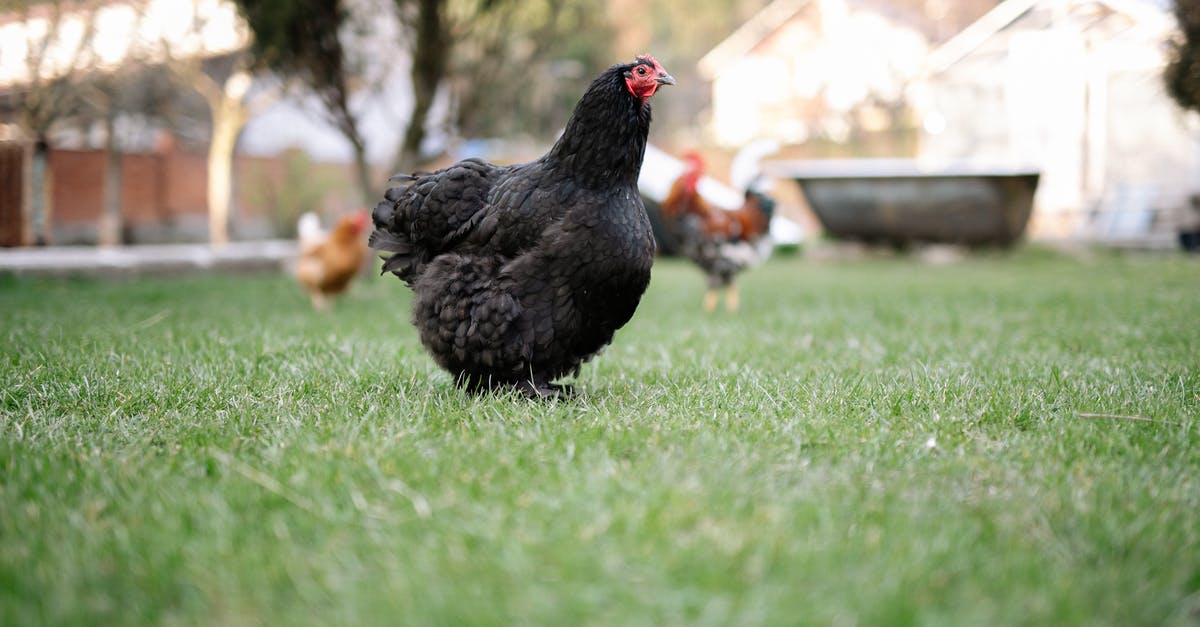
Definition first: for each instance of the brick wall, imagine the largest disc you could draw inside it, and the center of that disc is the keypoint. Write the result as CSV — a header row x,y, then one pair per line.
x,y
164,195
12,157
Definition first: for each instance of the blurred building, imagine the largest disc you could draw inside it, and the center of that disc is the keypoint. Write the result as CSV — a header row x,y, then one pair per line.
x,y
75,116
1072,88
56,158
832,72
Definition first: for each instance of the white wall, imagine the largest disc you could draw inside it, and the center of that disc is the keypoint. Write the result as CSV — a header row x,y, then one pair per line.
x,y
1087,107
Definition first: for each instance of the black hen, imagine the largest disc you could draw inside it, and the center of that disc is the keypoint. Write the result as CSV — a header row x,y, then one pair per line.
x,y
523,272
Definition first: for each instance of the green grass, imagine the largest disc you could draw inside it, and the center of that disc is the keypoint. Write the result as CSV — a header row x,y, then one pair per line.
x,y
867,442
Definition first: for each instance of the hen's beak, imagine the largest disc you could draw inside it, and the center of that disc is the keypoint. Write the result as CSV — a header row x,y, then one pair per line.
x,y
665,79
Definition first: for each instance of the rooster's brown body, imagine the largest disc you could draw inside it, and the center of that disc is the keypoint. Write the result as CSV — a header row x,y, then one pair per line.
x,y
723,243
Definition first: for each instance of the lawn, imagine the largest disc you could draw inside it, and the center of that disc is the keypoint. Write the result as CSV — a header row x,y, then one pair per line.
x,y
875,441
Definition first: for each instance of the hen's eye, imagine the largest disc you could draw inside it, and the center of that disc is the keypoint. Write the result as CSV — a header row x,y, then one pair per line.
x,y
641,71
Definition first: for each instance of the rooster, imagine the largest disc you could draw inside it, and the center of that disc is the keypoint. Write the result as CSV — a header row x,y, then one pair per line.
x,y
723,243
523,272
329,261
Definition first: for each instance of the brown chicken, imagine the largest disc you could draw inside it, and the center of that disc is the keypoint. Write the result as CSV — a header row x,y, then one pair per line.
x,y
329,261
722,242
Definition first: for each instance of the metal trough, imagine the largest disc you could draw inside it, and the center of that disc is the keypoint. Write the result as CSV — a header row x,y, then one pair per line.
x,y
903,200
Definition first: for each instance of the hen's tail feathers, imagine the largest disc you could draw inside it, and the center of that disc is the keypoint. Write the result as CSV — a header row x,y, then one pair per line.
x,y
385,239
402,251
309,231
402,177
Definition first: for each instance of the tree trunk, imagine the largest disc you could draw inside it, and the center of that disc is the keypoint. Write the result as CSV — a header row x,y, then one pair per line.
x,y
429,67
110,220
220,172
365,185
38,214
229,116
346,122
339,105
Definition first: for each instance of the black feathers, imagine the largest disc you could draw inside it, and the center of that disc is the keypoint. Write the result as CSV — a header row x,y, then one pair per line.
x,y
521,273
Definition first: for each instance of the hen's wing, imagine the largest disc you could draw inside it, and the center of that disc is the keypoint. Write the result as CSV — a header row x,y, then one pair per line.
x,y
471,207
524,203
432,214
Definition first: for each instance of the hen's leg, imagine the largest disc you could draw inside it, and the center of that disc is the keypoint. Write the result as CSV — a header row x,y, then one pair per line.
x,y
732,298
710,299
319,301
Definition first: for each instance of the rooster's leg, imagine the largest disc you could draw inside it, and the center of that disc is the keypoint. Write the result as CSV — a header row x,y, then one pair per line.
x,y
710,300
732,298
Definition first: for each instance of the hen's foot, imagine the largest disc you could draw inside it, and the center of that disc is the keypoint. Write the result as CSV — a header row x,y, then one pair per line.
x,y
543,390
565,390
475,385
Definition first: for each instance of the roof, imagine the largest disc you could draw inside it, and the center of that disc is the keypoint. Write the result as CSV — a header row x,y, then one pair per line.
x,y
935,27
748,35
1009,11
